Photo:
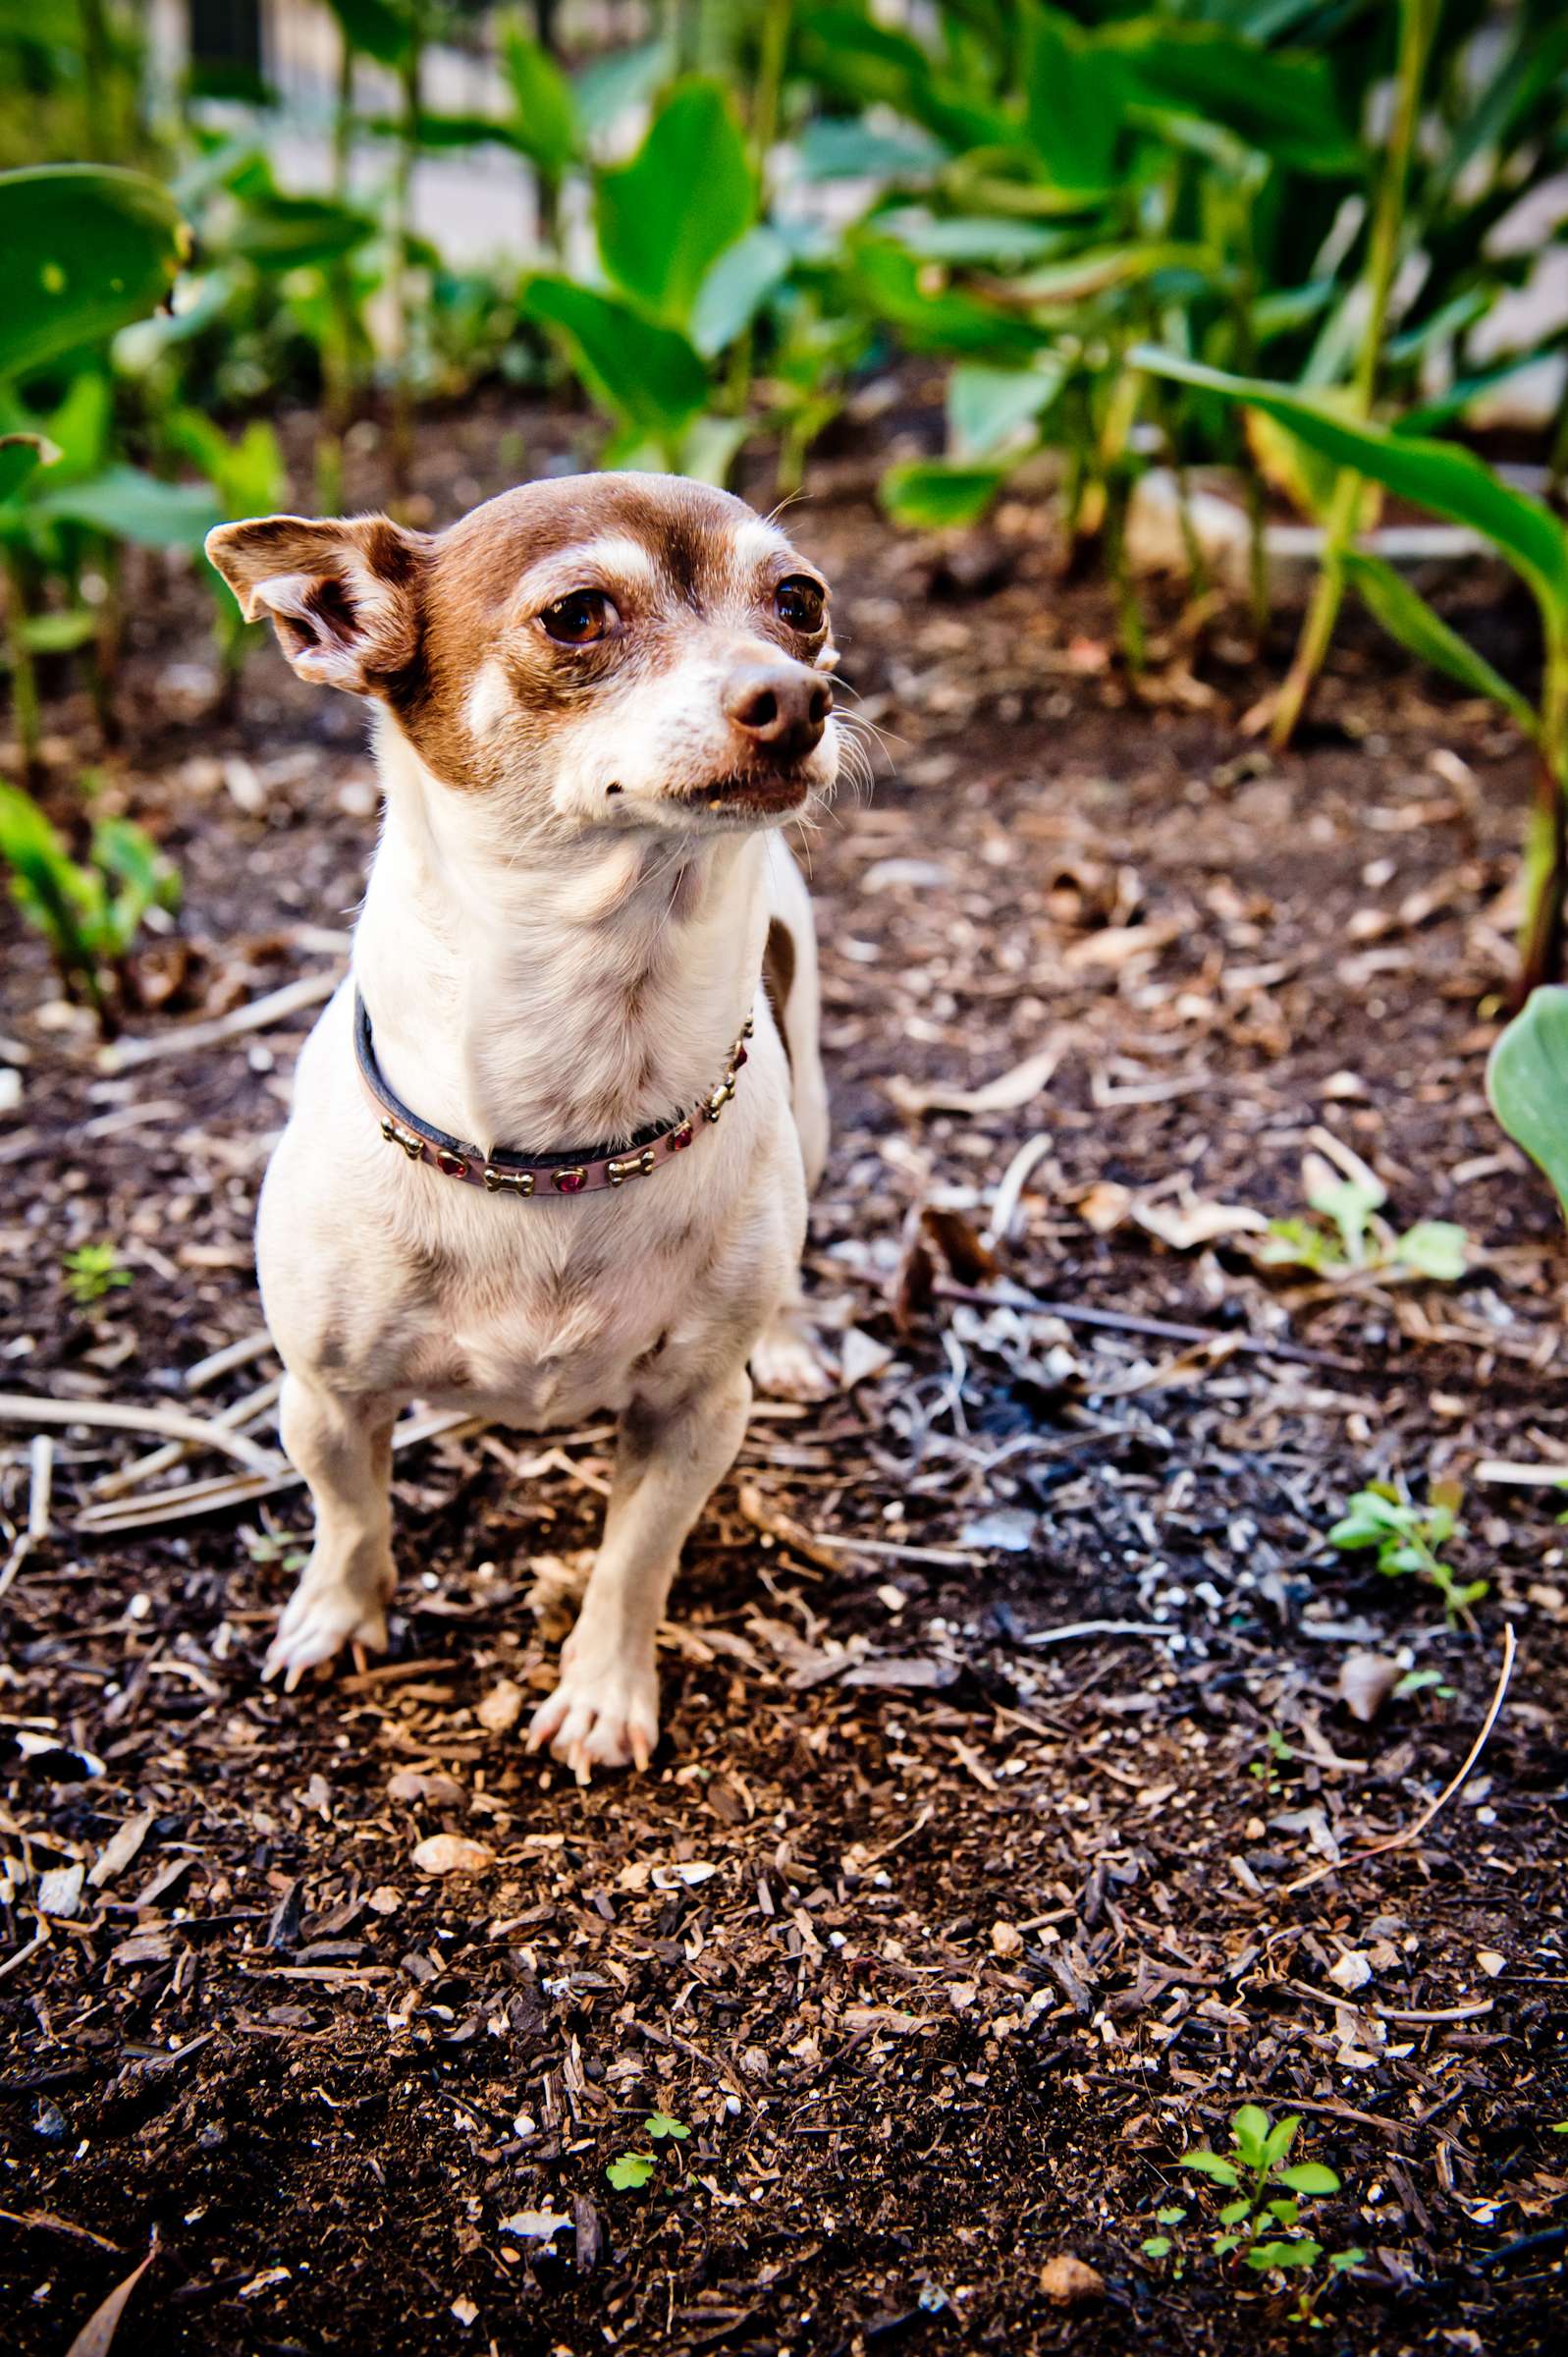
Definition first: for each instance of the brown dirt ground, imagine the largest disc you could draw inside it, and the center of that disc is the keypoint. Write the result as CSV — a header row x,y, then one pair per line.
x,y
943,1942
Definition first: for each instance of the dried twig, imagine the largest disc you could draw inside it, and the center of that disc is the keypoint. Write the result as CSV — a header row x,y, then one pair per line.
x,y
1413,1831
15,1408
1007,1295
275,1006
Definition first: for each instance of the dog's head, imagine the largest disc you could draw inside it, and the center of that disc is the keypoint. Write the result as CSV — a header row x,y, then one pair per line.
x,y
616,648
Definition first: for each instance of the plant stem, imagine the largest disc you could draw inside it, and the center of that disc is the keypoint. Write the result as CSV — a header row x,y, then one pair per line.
x,y
1541,940
337,359
1417,23
403,222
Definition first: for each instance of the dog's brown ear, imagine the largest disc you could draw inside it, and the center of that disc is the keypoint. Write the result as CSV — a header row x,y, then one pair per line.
x,y
345,598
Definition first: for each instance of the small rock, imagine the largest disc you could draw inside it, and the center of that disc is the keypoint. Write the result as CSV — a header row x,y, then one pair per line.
x,y
384,1899
453,1853
1352,1971
500,1708
1071,2282
466,2311
1005,1939
1491,1962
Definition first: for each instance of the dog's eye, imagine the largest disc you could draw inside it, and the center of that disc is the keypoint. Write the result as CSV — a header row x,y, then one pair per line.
x,y
580,619
798,602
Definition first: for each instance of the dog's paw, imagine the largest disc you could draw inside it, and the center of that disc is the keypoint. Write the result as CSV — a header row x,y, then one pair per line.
x,y
786,1363
318,1622
604,1715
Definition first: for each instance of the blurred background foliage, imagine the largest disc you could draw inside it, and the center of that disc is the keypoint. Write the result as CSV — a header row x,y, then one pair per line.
x,y
1174,253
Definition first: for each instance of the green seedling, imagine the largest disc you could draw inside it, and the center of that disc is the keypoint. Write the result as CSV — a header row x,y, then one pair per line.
x,y
91,1272
629,2173
91,913
1407,1538
1343,1232
1277,1753
1261,2226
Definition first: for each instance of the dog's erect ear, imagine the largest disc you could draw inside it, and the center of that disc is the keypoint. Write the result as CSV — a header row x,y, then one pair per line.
x,y
344,597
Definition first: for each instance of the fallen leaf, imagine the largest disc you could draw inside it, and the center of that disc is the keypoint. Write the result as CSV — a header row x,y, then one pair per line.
x,y
500,1708
1491,1961
1365,1681
1070,2281
534,2226
466,2311
453,1853
1184,1227
268,2281
674,1878
1351,1971
99,2329
860,1357
1105,1206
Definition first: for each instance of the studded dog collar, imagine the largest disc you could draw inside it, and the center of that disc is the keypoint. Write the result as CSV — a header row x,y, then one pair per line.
x,y
506,1173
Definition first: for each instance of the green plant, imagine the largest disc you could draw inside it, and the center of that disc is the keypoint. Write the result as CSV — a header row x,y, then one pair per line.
x,y
1527,1082
1407,1538
1451,481
630,2171
91,913
1261,2226
1342,1232
91,1272
1277,1754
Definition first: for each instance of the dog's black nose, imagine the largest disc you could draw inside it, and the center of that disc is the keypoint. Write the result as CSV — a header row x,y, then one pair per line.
x,y
782,707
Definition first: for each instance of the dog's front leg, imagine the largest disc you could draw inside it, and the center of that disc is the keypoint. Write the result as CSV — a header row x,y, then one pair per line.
x,y
605,1712
343,1449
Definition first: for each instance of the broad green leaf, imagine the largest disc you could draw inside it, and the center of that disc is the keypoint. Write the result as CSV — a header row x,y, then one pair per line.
x,y
545,125
987,408
1339,2260
1156,2246
1435,476
875,64
1249,2133
455,130
965,240
1075,100
647,374
663,2123
1281,102
1234,2212
131,506
665,218
1210,2164
844,148
374,28
737,286
1280,2139
275,232
1100,268
630,2171
1309,2177
894,287
82,250
1527,1081
1306,477
59,633
929,496
612,85
1434,1247
1406,616
1264,2255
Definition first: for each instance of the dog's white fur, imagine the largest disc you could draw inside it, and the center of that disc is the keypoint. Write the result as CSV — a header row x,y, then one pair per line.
x,y
556,956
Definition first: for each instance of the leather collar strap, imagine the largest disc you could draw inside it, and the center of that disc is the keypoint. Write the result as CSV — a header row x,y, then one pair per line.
x,y
509,1173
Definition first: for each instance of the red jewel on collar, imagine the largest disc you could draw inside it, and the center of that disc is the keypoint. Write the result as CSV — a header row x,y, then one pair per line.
x,y
571,1182
680,1139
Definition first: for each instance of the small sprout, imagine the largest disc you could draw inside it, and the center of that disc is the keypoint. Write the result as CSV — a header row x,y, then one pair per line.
x,y
660,2124
1280,1754
1342,1232
630,2171
1407,1538
1259,2227
91,1272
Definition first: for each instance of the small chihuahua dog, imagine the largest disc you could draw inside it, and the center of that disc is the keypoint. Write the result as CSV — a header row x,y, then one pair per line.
x,y
551,1142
